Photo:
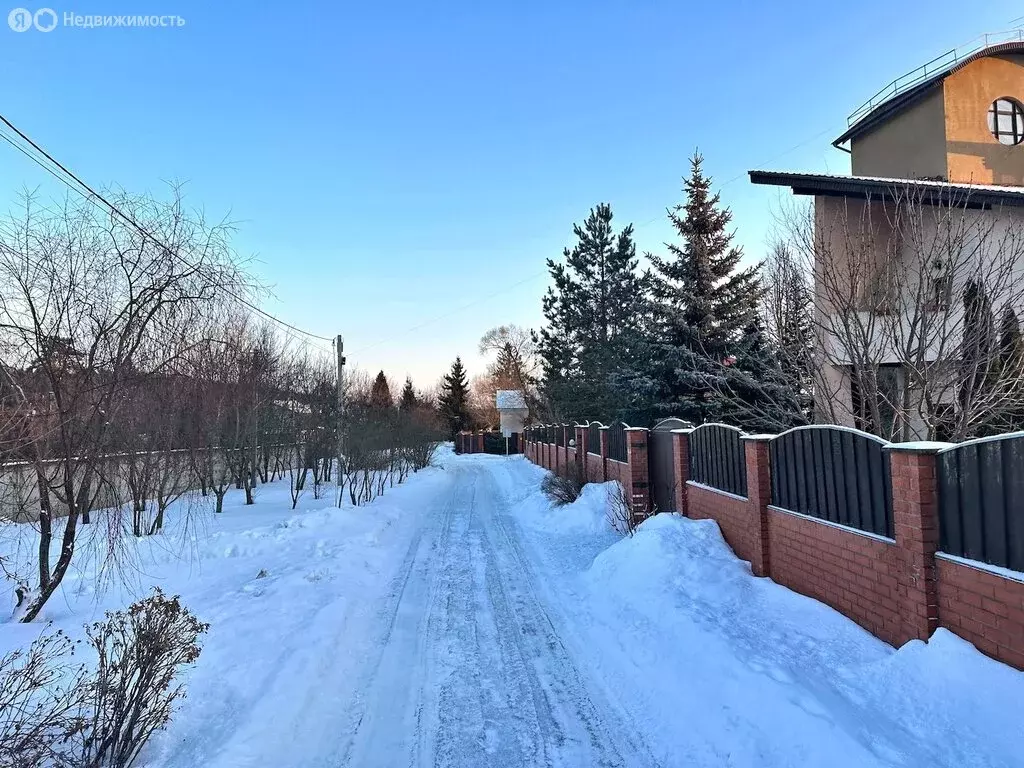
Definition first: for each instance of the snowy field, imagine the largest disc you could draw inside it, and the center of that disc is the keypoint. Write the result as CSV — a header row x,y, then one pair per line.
x,y
459,620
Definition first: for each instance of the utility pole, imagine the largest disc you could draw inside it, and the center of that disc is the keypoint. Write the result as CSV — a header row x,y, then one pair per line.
x,y
339,349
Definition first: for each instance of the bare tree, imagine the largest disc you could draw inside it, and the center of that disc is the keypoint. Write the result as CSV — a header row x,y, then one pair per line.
x,y
514,364
91,304
906,290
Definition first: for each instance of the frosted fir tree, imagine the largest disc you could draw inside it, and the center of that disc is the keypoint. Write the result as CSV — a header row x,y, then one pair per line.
x,y
702,300
592,313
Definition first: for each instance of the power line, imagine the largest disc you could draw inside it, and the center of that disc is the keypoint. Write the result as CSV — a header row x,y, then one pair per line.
x,y
92,196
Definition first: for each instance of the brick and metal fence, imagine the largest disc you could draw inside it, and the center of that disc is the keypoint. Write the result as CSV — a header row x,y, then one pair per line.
x,y
900,537
488,442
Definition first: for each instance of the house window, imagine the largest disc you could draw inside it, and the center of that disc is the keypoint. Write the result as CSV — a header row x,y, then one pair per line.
x,y
940,289
1006,121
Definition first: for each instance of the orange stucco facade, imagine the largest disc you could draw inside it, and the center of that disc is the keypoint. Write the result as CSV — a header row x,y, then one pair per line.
x,y
946,134
973,154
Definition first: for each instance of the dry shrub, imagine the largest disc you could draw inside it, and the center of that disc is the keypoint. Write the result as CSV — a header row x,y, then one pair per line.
x,y
140,650
620,511
42,693
564,489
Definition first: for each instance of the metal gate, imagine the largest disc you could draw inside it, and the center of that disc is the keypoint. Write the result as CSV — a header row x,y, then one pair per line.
x,y
661,464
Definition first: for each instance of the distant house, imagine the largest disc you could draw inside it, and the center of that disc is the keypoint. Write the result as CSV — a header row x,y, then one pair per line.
x,y
512,409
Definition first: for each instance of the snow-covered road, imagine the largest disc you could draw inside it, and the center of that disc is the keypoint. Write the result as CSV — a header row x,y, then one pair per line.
x,y
461,620
473,669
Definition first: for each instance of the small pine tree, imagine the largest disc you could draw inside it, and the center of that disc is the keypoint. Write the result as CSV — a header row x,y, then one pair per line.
x,y
380,393
454,401
407,403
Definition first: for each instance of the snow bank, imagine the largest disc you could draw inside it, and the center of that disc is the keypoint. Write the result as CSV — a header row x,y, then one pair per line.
x,y
587,515
290,597
935,703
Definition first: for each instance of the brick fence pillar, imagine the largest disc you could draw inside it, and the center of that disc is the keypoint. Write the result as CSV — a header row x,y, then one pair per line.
x,y
480,442
604,454
680,468
759,496
639,473
915,512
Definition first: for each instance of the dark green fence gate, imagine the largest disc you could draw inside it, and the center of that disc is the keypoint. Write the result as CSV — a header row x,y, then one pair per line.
x,y
661,463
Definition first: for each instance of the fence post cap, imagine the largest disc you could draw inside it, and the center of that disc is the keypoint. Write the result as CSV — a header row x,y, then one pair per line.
x,y
635,429
920,446
682,430
758,438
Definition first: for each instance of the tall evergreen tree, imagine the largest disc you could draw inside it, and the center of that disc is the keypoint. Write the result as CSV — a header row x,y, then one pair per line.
x,y
591,312
380,393
407,402
701,302
454,401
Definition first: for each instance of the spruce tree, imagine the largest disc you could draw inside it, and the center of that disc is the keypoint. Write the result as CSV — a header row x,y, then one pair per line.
x,y
701,302
407,403
592,310
454,401
380,393
758,395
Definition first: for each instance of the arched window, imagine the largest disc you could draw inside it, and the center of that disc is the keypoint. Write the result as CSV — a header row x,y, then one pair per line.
x,y
1006,121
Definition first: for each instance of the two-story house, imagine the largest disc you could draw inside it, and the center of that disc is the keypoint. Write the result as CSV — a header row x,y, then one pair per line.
x,y
918,255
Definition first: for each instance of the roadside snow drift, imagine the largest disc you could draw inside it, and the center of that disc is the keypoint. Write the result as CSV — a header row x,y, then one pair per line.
x,y
791,681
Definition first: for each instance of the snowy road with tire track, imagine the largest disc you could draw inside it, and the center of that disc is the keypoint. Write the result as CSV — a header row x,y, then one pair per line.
x,y
473,669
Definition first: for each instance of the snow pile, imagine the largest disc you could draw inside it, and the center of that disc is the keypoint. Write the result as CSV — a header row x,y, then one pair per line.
x,y
292,599
789,670
945,686
587,515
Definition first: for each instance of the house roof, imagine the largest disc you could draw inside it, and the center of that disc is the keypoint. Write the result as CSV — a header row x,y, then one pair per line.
x,y
510,400
914,86
929,192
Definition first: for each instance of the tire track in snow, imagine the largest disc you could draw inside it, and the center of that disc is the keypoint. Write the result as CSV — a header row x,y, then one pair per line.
x,y
387,729
472,670
602,735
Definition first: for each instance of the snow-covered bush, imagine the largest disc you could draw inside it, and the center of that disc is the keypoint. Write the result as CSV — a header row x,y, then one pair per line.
x,y
140,652
564,489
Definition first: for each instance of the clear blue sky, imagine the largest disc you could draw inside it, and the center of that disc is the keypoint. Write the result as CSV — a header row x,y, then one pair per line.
x,y
393,162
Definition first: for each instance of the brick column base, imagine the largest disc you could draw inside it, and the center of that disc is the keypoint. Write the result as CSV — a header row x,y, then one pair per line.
x,y
915,511
639,473
681,464
759,496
